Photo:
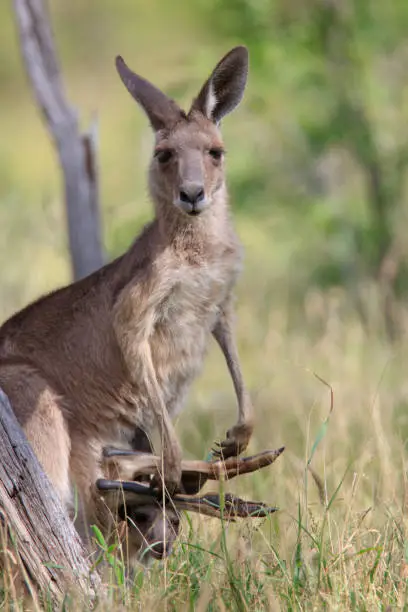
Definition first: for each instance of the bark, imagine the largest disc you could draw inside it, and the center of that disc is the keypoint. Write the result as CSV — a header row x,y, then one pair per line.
x,y
76,151
39,541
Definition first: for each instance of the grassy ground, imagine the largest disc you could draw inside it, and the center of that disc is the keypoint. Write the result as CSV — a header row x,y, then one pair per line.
x,y
339,539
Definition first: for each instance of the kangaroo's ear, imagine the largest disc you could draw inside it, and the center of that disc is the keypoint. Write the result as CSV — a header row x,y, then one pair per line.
x,y
223,91
161,110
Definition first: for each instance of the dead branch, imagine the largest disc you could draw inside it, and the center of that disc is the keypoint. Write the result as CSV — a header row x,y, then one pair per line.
x,y
76,150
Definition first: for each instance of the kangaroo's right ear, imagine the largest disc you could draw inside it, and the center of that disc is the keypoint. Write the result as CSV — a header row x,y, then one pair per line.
x,y
161,110
223,91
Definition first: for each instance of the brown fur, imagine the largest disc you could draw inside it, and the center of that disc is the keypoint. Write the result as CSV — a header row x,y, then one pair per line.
x,y
87,365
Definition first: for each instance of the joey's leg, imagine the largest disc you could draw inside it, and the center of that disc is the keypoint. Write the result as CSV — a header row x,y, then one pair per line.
x,y
37,408
239,435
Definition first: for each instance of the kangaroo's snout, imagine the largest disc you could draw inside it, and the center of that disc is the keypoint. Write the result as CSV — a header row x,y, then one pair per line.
x,y
192,198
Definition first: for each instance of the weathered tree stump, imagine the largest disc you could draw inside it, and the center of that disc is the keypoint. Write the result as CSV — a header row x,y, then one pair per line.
x,y
40,543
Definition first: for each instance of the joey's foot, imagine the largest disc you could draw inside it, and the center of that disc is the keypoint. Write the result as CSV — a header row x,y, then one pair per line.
x,y
235,443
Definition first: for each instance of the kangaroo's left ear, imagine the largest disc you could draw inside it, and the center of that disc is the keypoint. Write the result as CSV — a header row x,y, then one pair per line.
x,y
161,110
224,89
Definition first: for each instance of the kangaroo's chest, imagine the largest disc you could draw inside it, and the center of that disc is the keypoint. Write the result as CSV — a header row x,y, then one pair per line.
x,y
188,313
184,322
194,298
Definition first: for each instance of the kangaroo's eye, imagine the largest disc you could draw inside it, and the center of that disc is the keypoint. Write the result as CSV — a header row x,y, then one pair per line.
x,y
216,153
163,155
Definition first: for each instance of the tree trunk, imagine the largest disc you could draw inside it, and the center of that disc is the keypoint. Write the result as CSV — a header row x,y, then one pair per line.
x,y
39,540
76,150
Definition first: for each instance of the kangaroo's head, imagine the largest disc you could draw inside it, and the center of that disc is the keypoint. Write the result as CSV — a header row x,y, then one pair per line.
x,y
151,531
187,168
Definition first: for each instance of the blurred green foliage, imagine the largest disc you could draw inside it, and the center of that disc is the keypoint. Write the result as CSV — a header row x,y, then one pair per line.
x,y
317,153
339,66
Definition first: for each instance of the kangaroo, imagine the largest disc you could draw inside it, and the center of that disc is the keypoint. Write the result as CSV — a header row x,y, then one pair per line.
x,y
112,354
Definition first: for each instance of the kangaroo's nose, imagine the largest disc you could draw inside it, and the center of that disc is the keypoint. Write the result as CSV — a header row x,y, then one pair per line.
x,y
193,193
